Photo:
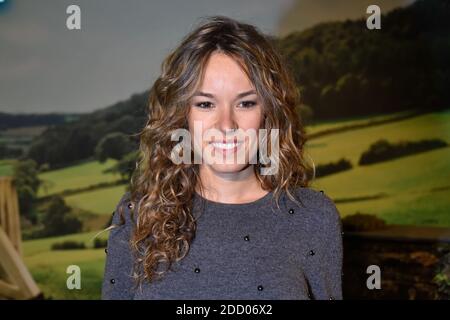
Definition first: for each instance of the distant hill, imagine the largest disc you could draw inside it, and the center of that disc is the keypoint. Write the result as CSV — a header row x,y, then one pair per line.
x,y
342,69
12,120
64,144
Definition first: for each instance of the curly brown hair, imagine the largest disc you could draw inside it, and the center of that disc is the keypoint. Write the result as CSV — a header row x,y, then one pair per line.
x,y
162,191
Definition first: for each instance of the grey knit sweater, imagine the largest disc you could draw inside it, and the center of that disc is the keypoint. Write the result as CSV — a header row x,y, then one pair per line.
x,y
242,251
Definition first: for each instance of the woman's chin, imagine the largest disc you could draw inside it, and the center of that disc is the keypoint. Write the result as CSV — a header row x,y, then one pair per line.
x,y
228,168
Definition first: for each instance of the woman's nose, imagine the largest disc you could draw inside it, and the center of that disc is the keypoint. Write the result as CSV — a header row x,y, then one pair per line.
x,y
226,121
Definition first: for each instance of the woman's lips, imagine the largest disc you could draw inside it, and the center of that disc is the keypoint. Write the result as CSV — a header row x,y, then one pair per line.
x,y
226,146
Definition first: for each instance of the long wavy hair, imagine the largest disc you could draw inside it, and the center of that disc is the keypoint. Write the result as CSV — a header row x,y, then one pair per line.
x,y
162,192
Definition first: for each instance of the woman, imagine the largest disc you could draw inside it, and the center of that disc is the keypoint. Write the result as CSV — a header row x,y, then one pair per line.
x,y
248,229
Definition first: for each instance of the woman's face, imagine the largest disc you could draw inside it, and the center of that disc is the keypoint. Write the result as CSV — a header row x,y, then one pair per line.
x,y
225,100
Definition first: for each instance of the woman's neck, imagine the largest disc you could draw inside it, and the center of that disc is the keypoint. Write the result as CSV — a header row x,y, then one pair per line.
x,y
230,187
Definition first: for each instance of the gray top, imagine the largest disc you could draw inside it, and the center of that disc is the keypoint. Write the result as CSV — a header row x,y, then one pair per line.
x,y
242,251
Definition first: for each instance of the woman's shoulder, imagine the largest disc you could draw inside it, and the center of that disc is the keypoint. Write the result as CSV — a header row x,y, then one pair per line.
x,y
317,206
122,213
312,197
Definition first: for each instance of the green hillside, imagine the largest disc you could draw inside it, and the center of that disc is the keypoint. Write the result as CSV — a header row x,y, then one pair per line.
x,y
416,188
75,177
101,201
352,143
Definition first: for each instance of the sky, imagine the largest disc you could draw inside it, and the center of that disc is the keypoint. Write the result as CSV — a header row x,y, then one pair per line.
x,y
44,67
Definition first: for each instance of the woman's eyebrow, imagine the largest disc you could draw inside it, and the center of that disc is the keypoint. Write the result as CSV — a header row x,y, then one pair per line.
x,y
209,95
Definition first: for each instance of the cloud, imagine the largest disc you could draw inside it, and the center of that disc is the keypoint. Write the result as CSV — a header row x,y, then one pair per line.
x,y
24,35
22,69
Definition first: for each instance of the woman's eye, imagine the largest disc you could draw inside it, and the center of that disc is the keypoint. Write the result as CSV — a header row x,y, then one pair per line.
x,y
203,105
248,104
209,105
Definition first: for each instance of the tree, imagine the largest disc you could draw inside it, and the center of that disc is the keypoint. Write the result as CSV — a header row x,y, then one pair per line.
x,y
58,219
305,113
114,145
26,181
126,166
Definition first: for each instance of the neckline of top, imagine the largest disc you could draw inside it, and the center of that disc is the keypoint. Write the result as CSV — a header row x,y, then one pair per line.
x,y
253,203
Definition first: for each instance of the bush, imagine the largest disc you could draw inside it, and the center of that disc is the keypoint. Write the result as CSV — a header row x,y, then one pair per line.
x,y
383,150
68,245
333,167
362,222
100,243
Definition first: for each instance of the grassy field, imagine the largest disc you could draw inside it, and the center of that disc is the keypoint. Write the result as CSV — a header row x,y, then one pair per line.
x,y
351,144
407,182
101,201
6,167
49,267
79,176
405,202
420,173
415,189
52,277
37,246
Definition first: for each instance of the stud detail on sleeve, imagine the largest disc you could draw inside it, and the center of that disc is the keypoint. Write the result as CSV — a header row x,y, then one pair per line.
x,y
130,205
106,250
291,211
321,191
112,281
196,270
331,298
260,288
247,238
311,252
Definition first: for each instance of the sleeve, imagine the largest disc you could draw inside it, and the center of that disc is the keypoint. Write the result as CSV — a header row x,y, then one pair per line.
x,y
325,273
118,282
